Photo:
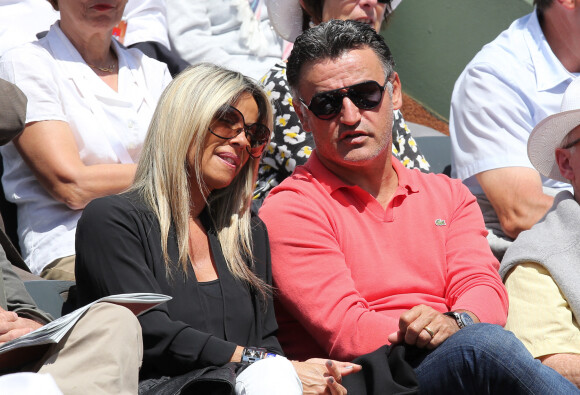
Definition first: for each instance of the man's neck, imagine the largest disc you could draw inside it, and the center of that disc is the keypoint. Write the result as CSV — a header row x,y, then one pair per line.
x,y
380,179
562,31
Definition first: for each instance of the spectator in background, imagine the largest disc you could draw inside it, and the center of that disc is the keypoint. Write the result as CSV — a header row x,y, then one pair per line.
x,y
147,30
101,354
231,33
107,338
290,145
89,105
513,83
22,20
540,269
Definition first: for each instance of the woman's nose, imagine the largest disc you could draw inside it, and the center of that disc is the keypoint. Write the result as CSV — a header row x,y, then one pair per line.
x,y
241,140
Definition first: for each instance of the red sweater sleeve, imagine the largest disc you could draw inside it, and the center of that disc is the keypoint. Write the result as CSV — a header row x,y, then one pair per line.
x,y
473,283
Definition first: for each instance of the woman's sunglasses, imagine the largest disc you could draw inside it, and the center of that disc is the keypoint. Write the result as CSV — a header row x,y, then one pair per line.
x,y
229,122
365,95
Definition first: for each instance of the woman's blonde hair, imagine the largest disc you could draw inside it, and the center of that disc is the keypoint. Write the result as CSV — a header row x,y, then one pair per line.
x,y
181,120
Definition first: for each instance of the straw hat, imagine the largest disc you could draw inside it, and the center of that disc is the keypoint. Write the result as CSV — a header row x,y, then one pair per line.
x,y
286,17
550,132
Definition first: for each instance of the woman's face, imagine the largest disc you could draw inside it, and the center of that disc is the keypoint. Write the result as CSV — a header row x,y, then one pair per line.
x,y
222,159
367,11
88,15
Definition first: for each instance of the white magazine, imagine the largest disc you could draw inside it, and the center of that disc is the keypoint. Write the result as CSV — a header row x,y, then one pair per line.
x,y
54,331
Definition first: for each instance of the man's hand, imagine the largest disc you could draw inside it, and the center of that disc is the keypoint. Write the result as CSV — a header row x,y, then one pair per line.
x,y
12,326
324,376
412,324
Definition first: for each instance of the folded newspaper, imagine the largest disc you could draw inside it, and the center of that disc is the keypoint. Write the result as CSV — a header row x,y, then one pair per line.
x,y
54,331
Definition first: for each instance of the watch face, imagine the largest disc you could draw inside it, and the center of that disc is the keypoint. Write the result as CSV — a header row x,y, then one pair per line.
x,y
466,319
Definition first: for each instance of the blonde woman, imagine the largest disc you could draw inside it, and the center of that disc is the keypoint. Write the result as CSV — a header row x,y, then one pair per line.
x,y
185,229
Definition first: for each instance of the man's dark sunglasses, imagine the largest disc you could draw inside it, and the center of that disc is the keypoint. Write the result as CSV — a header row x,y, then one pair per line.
x,y
365,95
229,122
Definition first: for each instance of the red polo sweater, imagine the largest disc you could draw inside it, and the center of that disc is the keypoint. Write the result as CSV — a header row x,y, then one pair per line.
x,y
345,268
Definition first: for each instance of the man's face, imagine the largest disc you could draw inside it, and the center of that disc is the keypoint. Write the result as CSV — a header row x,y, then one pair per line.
x,y
569,160
354,137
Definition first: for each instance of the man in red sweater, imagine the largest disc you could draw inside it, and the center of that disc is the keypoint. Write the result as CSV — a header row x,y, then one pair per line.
x,y
366,252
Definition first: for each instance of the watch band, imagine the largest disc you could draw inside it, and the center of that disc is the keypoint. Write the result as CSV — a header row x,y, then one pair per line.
x,y
463,319
253,354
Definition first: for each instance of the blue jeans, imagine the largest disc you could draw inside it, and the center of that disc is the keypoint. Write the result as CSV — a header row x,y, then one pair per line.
x,y
484,359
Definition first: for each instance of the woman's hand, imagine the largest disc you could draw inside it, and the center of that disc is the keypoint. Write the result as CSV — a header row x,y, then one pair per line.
x,y
323,376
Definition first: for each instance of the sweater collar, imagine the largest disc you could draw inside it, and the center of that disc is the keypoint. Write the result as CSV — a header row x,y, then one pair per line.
x,y
331,182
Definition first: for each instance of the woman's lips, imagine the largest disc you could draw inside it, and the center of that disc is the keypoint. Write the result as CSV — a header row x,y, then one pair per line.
x,y
231,160
102,7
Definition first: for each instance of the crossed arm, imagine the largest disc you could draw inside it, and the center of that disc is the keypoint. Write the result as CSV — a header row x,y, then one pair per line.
x,y
520,205
50,150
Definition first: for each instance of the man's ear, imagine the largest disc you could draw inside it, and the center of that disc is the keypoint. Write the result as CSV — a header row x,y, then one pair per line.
x,y
568,4
397,97
300,111
563,161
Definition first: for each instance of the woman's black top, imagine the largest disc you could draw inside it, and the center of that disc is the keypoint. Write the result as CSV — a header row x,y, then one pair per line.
x,y
118,250
212,304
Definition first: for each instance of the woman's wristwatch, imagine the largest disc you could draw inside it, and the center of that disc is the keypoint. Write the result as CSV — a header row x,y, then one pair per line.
x,y
253,354
463,319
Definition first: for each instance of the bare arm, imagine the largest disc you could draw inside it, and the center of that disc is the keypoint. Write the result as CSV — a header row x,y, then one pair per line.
x,y
237,355
517,197
568,365
50,150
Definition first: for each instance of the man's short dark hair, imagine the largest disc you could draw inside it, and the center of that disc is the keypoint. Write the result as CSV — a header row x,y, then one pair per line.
x,y
542,5
332,39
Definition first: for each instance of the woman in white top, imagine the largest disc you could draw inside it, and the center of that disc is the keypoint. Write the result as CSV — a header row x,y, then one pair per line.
x,y
89,106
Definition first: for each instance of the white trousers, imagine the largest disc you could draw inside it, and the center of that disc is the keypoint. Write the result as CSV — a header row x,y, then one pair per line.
x,y
270,376
28,384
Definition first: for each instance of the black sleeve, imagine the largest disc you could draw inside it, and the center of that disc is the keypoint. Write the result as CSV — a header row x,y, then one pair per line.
x,y
264,267
118,251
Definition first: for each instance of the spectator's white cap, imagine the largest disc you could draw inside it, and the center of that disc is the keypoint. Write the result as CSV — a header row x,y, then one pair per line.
x,y
286,17
550,132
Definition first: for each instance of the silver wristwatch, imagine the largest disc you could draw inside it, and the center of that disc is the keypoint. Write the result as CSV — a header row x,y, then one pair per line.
x,y
462,319
253,354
